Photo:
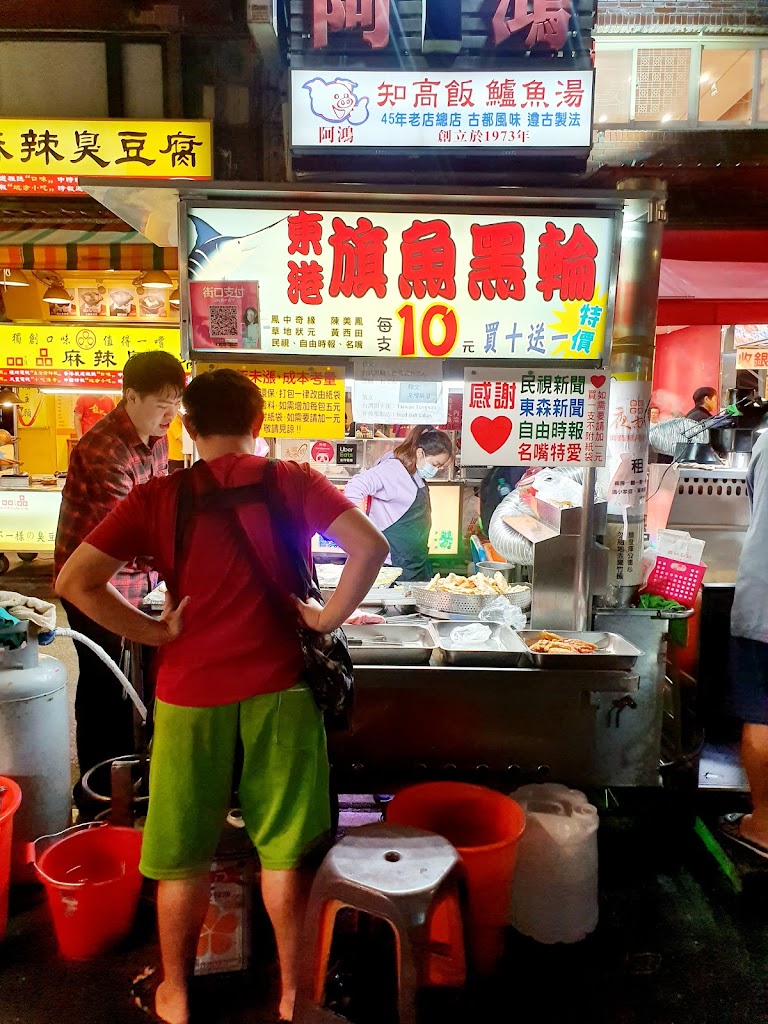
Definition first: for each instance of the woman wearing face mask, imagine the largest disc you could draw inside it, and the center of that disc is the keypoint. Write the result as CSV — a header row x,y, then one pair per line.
x,y
399,497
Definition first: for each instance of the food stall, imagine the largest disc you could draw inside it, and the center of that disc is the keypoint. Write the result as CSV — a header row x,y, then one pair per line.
x,y
54,353
426,706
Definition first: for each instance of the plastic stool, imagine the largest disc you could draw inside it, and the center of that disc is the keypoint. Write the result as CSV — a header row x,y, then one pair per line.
x,y
409,878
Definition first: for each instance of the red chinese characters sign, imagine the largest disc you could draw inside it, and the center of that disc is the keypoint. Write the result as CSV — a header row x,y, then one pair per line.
x,y
529,24
367,283
532,417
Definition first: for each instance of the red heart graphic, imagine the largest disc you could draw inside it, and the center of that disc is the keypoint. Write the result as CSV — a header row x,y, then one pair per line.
x,y
597,382
491,434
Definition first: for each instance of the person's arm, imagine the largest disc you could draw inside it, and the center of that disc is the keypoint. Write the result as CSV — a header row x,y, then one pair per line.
x,y
366,549
364,485
84,581
78,423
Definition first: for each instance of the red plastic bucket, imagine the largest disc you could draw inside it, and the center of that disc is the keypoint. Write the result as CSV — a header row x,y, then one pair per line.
x,y
9,804
92,881
484,826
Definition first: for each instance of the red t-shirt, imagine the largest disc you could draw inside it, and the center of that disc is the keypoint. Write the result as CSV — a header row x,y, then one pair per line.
x,y
93,408
235,642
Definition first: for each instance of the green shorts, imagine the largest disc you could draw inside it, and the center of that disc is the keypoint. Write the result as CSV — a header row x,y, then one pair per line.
x,y
283,792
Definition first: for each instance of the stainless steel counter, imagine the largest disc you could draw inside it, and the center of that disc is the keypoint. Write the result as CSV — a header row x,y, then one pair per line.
x,y
492,725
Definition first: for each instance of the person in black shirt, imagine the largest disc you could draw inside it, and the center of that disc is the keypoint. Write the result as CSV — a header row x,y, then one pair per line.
x,y
705,406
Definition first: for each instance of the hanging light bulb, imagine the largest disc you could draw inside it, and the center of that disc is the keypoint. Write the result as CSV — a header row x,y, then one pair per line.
x,y
156,279
14,278
57,293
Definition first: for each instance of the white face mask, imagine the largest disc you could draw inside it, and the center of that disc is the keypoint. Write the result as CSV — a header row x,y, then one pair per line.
x,y
427,471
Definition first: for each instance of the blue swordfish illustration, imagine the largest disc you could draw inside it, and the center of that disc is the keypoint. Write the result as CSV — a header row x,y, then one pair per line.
x,y
215,256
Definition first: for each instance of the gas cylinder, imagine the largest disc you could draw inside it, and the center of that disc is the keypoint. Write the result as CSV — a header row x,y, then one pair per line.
x,y
554,895
34,741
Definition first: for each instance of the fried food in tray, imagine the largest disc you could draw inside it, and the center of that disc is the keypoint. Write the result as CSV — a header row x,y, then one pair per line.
x,y
553,643
471,586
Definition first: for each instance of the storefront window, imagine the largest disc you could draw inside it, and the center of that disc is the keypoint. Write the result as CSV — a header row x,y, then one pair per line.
x,y
661,84
725,84
53,79
613,86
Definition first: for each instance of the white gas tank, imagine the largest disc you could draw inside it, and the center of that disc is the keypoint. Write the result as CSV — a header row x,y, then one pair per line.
x,y
34,743
554,895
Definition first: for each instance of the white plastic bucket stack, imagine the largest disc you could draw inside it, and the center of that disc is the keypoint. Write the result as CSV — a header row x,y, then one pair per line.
x,y
554,896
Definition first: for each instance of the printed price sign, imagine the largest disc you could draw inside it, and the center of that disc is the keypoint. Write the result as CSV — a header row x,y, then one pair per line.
x,y
492,285
301,402
535,418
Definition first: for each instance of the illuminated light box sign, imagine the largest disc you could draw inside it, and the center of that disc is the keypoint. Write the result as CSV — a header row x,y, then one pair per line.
x,y
534,418
47,355
365,283
64,149
458,110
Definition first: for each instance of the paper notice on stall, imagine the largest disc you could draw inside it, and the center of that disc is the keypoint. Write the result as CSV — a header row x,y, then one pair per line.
x,y
534,418
398,369
627,440
399,401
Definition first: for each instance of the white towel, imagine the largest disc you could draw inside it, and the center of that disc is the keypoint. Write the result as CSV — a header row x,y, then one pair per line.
x,y
41,613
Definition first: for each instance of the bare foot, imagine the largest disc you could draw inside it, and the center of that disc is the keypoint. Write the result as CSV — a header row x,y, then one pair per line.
x,y
754,834
171,1005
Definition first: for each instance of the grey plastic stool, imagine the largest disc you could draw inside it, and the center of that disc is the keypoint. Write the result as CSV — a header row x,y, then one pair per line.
x,y
401,875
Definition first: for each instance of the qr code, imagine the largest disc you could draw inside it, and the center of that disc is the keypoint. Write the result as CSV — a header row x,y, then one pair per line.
x,y
224,321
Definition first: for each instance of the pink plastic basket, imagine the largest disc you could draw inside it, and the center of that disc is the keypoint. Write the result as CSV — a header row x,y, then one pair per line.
x,y
678,581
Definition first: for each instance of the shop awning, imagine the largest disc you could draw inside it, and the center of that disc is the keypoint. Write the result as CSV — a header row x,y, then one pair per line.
x,y
714,277
74,236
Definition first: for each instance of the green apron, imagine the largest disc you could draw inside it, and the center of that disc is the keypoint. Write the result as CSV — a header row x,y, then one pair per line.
x,y
409,539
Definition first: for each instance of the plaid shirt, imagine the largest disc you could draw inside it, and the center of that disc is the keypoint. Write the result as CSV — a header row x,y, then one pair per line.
x,y
105,466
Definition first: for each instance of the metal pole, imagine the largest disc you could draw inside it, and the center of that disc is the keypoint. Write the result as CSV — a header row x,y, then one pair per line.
x,y
585,553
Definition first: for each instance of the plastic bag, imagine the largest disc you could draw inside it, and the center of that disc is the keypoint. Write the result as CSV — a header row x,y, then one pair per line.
x,y
503,611
472,633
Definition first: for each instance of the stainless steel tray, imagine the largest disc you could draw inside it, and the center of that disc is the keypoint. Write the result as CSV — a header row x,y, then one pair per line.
x,y
503,647
441,602
614,652
391,645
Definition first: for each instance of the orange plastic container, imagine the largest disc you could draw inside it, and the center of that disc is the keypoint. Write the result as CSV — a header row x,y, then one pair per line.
x,y
92,881
9,804
485,827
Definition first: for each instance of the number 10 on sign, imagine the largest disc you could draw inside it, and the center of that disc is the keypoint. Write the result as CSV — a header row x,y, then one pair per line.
x,y
435,321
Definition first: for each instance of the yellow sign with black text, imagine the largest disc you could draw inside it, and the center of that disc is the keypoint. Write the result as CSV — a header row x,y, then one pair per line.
x,y
76,355
113,148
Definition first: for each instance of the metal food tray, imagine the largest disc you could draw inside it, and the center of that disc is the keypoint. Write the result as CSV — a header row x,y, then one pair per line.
x,y
614,651
365,651
503,647
442,603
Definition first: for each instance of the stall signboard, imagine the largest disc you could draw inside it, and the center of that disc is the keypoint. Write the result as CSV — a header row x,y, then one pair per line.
x,y
753,357
300,402
28,519
76,355
381,31
534,417
539,110
505,285
103,148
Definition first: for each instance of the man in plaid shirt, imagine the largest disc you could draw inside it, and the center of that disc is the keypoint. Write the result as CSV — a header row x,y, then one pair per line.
x,y
125,448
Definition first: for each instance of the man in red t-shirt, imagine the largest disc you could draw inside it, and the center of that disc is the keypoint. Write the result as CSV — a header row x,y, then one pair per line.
x,y
229,664
89,409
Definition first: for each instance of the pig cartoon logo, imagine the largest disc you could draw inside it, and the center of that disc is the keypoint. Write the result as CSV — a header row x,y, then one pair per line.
x,y
336,101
